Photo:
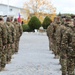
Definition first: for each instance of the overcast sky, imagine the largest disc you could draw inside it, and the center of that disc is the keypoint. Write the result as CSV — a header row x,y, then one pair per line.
x,y
62,6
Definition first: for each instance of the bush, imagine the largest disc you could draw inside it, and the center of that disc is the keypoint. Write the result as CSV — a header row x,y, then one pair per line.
x,y
34,23
46,22
25,28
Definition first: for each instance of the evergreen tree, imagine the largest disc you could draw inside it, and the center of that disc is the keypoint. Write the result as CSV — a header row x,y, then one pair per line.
x,y
34,23
46,22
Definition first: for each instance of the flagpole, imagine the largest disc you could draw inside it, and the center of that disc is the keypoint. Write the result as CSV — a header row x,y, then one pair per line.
x,y
8,8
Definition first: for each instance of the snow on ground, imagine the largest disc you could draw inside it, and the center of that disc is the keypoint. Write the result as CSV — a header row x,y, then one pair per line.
x,y
33,58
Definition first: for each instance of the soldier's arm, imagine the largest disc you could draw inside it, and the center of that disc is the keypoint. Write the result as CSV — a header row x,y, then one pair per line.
x,y
64,42
13,33
58,36
4,35
51,31
20,29
47,31
58,39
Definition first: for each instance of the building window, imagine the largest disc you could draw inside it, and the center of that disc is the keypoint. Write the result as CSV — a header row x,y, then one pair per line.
x,y
10,9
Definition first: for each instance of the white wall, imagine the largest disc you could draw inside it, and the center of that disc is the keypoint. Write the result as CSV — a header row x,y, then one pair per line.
x,y
13,11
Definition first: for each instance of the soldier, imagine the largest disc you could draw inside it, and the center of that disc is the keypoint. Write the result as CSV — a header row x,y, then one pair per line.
x,y
63,19
49,32
10,38
67,48
19,31
56,24
59,34
3,43
13,36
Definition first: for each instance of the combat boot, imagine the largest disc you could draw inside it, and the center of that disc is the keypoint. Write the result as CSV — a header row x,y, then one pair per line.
x,y
63,74
2,69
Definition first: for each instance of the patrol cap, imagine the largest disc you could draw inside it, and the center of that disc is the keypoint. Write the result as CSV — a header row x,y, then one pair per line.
x,y
8,19
73,16
11,18
63,16
57,18
68,18
15,19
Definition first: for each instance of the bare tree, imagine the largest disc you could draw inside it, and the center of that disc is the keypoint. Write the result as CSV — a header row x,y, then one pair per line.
x,y
39,6
35,6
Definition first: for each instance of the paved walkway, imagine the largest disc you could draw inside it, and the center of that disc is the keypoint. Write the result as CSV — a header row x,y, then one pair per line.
x,y
34,57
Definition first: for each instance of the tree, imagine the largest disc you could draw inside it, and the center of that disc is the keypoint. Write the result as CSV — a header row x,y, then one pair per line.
x,y
36,6
34,23
46,22
25,28
59,14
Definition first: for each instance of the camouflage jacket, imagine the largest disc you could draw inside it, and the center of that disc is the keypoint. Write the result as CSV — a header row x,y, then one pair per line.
x,y
59,33
49,30
3,33
11,32
68,41
3,36
55,28
19,30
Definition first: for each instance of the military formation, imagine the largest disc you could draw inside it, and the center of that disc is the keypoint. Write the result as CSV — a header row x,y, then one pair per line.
x,y
10,33
61,35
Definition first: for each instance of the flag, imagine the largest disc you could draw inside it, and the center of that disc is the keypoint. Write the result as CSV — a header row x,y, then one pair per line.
x,y
19,18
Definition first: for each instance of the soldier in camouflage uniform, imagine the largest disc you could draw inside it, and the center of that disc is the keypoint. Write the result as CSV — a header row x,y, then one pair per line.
x,y
19,31
67,48
10,40
49,34
14,36
3,43
63,59
55,27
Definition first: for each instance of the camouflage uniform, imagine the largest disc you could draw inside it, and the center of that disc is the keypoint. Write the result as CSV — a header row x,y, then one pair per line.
x,y
55,27
13,35
67,48
61,30
19,31
9,46
3,43
49,34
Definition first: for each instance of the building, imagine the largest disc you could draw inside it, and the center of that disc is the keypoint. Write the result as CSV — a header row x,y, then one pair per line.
x,y
11,11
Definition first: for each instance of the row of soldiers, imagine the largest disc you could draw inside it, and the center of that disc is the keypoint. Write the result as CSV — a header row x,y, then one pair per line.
x,y
10,33
61,35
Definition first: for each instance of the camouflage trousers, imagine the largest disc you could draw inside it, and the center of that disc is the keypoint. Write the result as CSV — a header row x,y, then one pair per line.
x,y
71,65
3,56
13,48
9,52
58,50
54,47
63,62
3,60
16,46
64,66
50,44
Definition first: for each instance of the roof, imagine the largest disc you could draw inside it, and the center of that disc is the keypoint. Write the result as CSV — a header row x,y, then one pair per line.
x,y
10,6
